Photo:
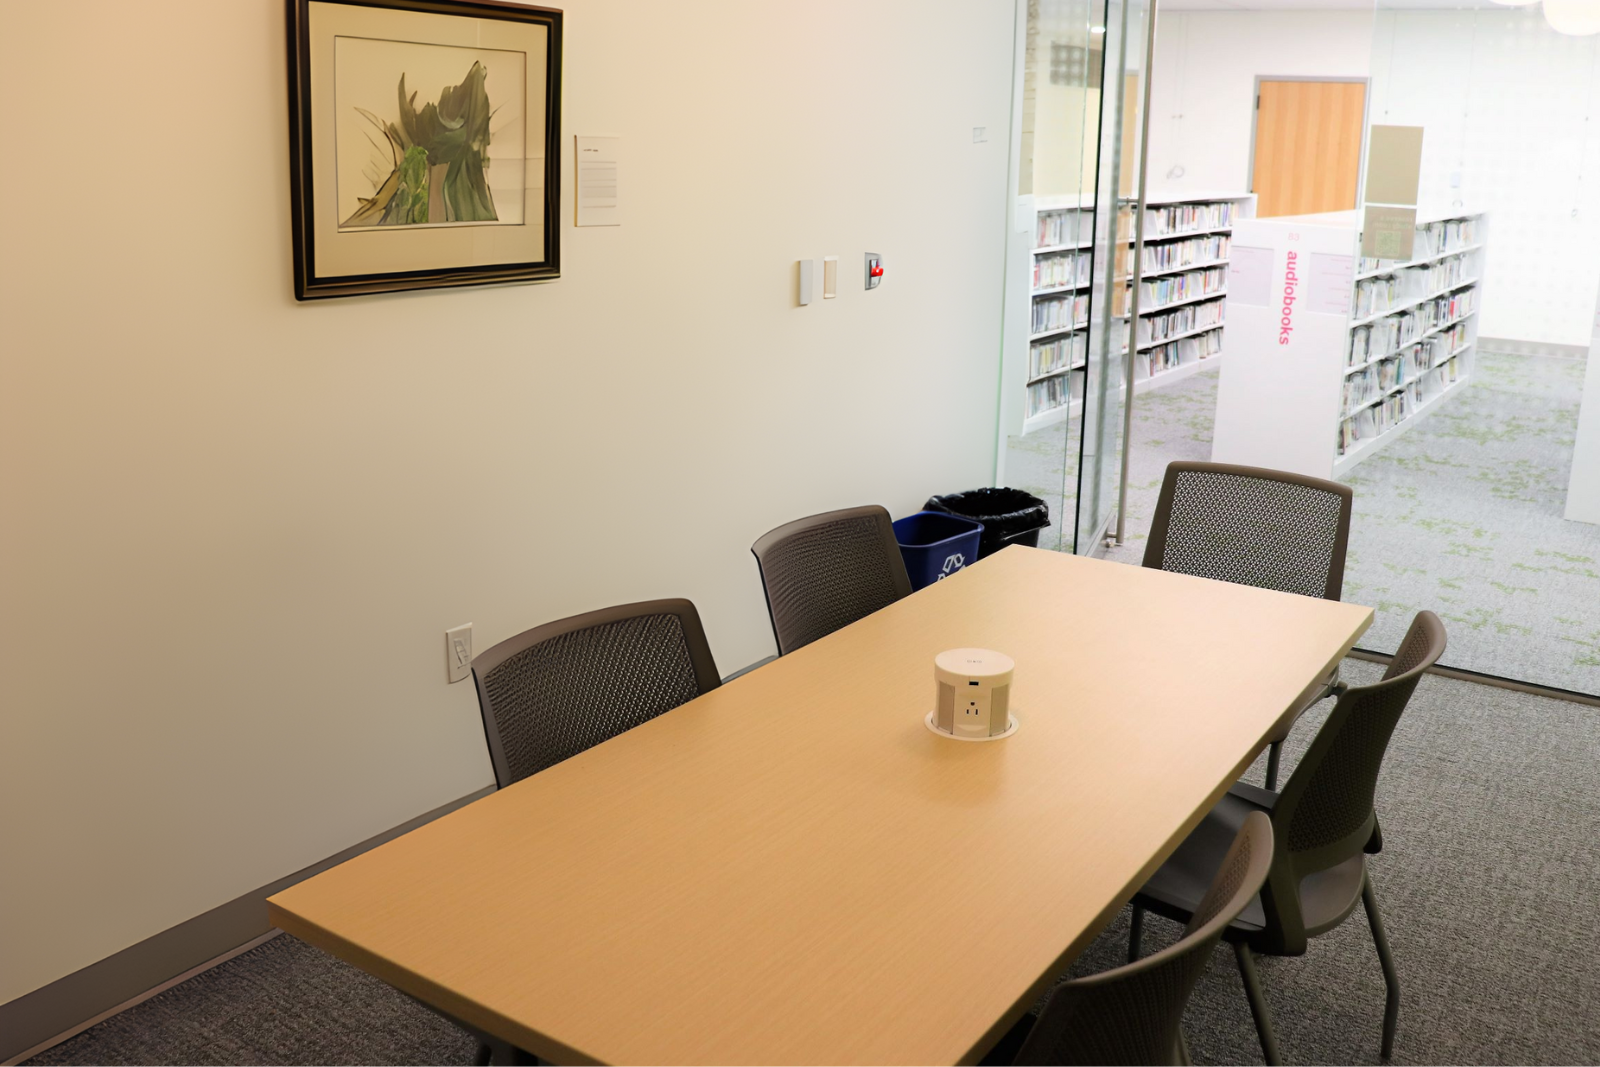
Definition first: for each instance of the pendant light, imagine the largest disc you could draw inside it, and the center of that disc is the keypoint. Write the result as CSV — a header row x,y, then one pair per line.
x,y
1576,18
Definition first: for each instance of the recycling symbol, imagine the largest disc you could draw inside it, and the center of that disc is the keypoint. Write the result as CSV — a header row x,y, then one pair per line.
x,y
953,562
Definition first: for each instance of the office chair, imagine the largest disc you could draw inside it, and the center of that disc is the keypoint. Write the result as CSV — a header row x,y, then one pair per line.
x,y
1254,526
823,573
551,692
1325,826
1131,1015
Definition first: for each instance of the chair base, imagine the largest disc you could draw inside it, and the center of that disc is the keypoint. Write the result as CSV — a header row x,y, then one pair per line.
x,y
1258,1002
1391,980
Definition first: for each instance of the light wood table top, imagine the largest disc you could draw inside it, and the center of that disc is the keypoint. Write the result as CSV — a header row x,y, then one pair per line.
x,y
794,869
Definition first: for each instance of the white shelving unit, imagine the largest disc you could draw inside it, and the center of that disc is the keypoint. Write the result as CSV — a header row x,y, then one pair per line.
x,y
1184,279
1362,351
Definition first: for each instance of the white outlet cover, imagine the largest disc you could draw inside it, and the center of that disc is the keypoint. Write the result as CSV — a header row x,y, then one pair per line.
x,y
458,652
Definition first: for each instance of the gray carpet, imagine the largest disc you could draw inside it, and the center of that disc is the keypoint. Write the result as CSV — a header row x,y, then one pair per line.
x,y
1461,515
281,1002
1491,806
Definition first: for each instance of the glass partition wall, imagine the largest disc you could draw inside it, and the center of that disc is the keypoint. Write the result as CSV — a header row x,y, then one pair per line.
x,y
1441,171
1478,500
1068,254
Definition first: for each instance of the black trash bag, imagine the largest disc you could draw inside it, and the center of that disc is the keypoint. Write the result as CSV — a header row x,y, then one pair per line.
x,y
1009,516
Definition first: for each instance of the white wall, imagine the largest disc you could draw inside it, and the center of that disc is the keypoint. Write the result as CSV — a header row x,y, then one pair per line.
x,y
235,526
1508,106
1202,96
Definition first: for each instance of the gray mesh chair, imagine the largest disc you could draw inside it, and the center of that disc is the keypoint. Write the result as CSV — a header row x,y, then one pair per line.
x,y
823,573
1254,526
1325,826
1132,1014
553,691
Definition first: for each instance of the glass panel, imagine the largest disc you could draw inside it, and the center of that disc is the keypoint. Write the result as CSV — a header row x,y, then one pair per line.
x,y
1048,260
1464,500
1450,378
1123,29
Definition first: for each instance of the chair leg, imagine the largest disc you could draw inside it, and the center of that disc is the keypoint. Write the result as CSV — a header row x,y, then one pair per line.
x,y
1274,751
1258,1002
1135,933
1183,1051
1391,981
484,1056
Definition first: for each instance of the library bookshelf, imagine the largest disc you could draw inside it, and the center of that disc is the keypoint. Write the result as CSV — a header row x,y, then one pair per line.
x,y
1183,283
1334,356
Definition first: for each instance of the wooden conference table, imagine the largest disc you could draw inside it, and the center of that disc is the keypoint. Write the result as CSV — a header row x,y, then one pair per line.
x,y
794,869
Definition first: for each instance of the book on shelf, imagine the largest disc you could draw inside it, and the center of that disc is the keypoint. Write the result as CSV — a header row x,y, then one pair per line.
x,y
1433,239
1180,253
1401,403
1061,268
1173,354
1386,336
1167,324
1062,312
1171,288
1168,219
1053,393
1063,226
1048,357
1376,295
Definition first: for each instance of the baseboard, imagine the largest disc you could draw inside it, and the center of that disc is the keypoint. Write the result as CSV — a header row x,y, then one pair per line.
x,y
746,670
66,1007
1462,675
1514,347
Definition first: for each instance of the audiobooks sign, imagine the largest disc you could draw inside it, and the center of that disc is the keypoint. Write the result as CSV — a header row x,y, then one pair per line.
x,y
1291,282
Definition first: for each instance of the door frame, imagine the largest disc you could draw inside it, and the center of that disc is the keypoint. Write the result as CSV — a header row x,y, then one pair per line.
x,y
1366,122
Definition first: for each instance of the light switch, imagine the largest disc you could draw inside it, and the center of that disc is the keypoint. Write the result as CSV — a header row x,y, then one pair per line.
x,y
830,277
458,652
805,282
874,270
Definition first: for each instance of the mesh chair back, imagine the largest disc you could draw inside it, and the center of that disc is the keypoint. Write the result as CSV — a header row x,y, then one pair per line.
x,y
1131,1014
1328,801
823,573
1252,526
553,691
1325,815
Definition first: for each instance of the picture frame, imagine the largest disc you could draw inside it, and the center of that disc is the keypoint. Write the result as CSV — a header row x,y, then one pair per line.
x,y
424,144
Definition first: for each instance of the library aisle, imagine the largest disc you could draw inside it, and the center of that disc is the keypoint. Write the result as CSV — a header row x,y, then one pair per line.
x,y
1461,515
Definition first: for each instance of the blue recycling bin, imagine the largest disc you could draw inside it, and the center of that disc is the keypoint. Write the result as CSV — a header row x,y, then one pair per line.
x,y
935,545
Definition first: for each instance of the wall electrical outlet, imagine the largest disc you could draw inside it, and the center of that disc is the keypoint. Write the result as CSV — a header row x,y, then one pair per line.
x,y
458,652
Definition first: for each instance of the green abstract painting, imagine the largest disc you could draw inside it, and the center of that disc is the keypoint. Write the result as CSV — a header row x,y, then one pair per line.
x,y
421,127
440,159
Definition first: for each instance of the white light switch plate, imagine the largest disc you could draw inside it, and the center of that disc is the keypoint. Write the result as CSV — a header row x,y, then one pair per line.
x,y
458,652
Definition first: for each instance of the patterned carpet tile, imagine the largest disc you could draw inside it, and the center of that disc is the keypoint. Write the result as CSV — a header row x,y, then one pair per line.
x,y
1461,515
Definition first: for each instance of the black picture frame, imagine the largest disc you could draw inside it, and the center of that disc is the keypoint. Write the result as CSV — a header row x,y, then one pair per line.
x,y
308,284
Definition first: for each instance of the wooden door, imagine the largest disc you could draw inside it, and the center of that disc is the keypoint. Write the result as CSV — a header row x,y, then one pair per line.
x,y
1308,146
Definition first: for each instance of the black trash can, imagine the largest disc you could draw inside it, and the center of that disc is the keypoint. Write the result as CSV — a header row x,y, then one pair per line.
x,y
1009,516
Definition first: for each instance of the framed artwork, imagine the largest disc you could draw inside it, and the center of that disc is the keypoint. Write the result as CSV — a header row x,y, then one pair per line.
x,y
423,144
